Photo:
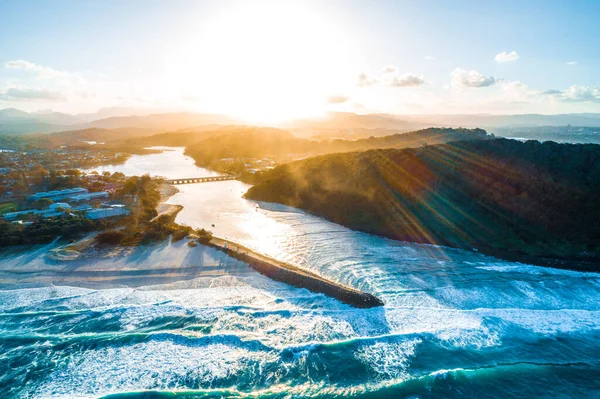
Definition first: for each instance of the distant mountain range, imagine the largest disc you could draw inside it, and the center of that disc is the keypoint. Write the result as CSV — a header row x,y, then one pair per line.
x,y
342,120
14,121
332,125
589,120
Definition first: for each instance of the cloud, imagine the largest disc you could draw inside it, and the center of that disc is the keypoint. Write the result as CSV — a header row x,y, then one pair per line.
x,y
43,72
389,69
337,99
191,97
365,80
461,78
406,80
360,108
23,93
85,94
518,92
551,92
389,76
576,94
507,57
572,63
429,58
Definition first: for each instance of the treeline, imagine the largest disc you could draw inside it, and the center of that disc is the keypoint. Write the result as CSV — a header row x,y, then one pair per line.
x,y
142,195
45,230
182,137
278,144
501,196
23,143
155,230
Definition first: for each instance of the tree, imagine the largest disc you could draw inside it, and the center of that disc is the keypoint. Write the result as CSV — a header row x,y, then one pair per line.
x,y
204,236
42,203
38,174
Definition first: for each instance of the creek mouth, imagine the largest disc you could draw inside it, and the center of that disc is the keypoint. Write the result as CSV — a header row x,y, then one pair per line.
x,y
283,272
455,323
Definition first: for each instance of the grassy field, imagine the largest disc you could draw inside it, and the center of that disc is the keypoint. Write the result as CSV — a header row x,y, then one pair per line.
x,y
7,207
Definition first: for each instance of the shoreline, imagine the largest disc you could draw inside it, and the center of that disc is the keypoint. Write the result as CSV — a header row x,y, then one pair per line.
x,y
272,268
573,264
167,191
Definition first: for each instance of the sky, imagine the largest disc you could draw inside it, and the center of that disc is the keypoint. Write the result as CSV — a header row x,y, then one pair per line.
x,y
278,60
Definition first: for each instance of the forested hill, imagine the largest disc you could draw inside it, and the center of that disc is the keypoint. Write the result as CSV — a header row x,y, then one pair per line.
x,y
430,136
502,196
275,143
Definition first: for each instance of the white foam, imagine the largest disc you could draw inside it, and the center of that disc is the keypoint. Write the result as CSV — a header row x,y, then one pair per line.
x,y
537,270
547,322
391,360
150,365
32,296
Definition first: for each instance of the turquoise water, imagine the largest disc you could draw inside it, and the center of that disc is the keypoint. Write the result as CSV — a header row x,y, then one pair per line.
x,y
456,324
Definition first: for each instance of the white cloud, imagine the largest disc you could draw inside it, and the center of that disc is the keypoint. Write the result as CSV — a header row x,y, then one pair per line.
x,y
390,76
24,93
406,80
85,94
519,92
389,69
429,58
365,80
40,71
507,57
572,63
191,97
337,99
461,78
576,94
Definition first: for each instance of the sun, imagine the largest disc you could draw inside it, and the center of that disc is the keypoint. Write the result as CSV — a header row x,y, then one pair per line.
x,y
265,61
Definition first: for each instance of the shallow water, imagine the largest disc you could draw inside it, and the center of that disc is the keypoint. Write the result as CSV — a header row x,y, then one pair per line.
x,y
170,163
456,324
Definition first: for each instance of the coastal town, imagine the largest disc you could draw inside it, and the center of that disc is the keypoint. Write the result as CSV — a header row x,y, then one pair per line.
x,y
49,193
24,170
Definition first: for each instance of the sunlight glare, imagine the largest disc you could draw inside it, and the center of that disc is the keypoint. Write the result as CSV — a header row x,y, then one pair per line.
x,y
265,62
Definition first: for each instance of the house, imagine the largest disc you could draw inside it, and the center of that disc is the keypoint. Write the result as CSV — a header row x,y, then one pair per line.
x,y
88,196
54,210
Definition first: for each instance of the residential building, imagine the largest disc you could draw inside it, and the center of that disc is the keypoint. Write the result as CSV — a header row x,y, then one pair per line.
x,y
88,196
102,213
58,194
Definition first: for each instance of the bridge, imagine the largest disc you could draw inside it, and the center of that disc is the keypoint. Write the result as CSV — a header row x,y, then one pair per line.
x,y
207,179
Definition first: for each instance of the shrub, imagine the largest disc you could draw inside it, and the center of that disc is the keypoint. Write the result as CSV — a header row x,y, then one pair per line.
x,y
129,240
204,236
179,235
42,203
111,237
